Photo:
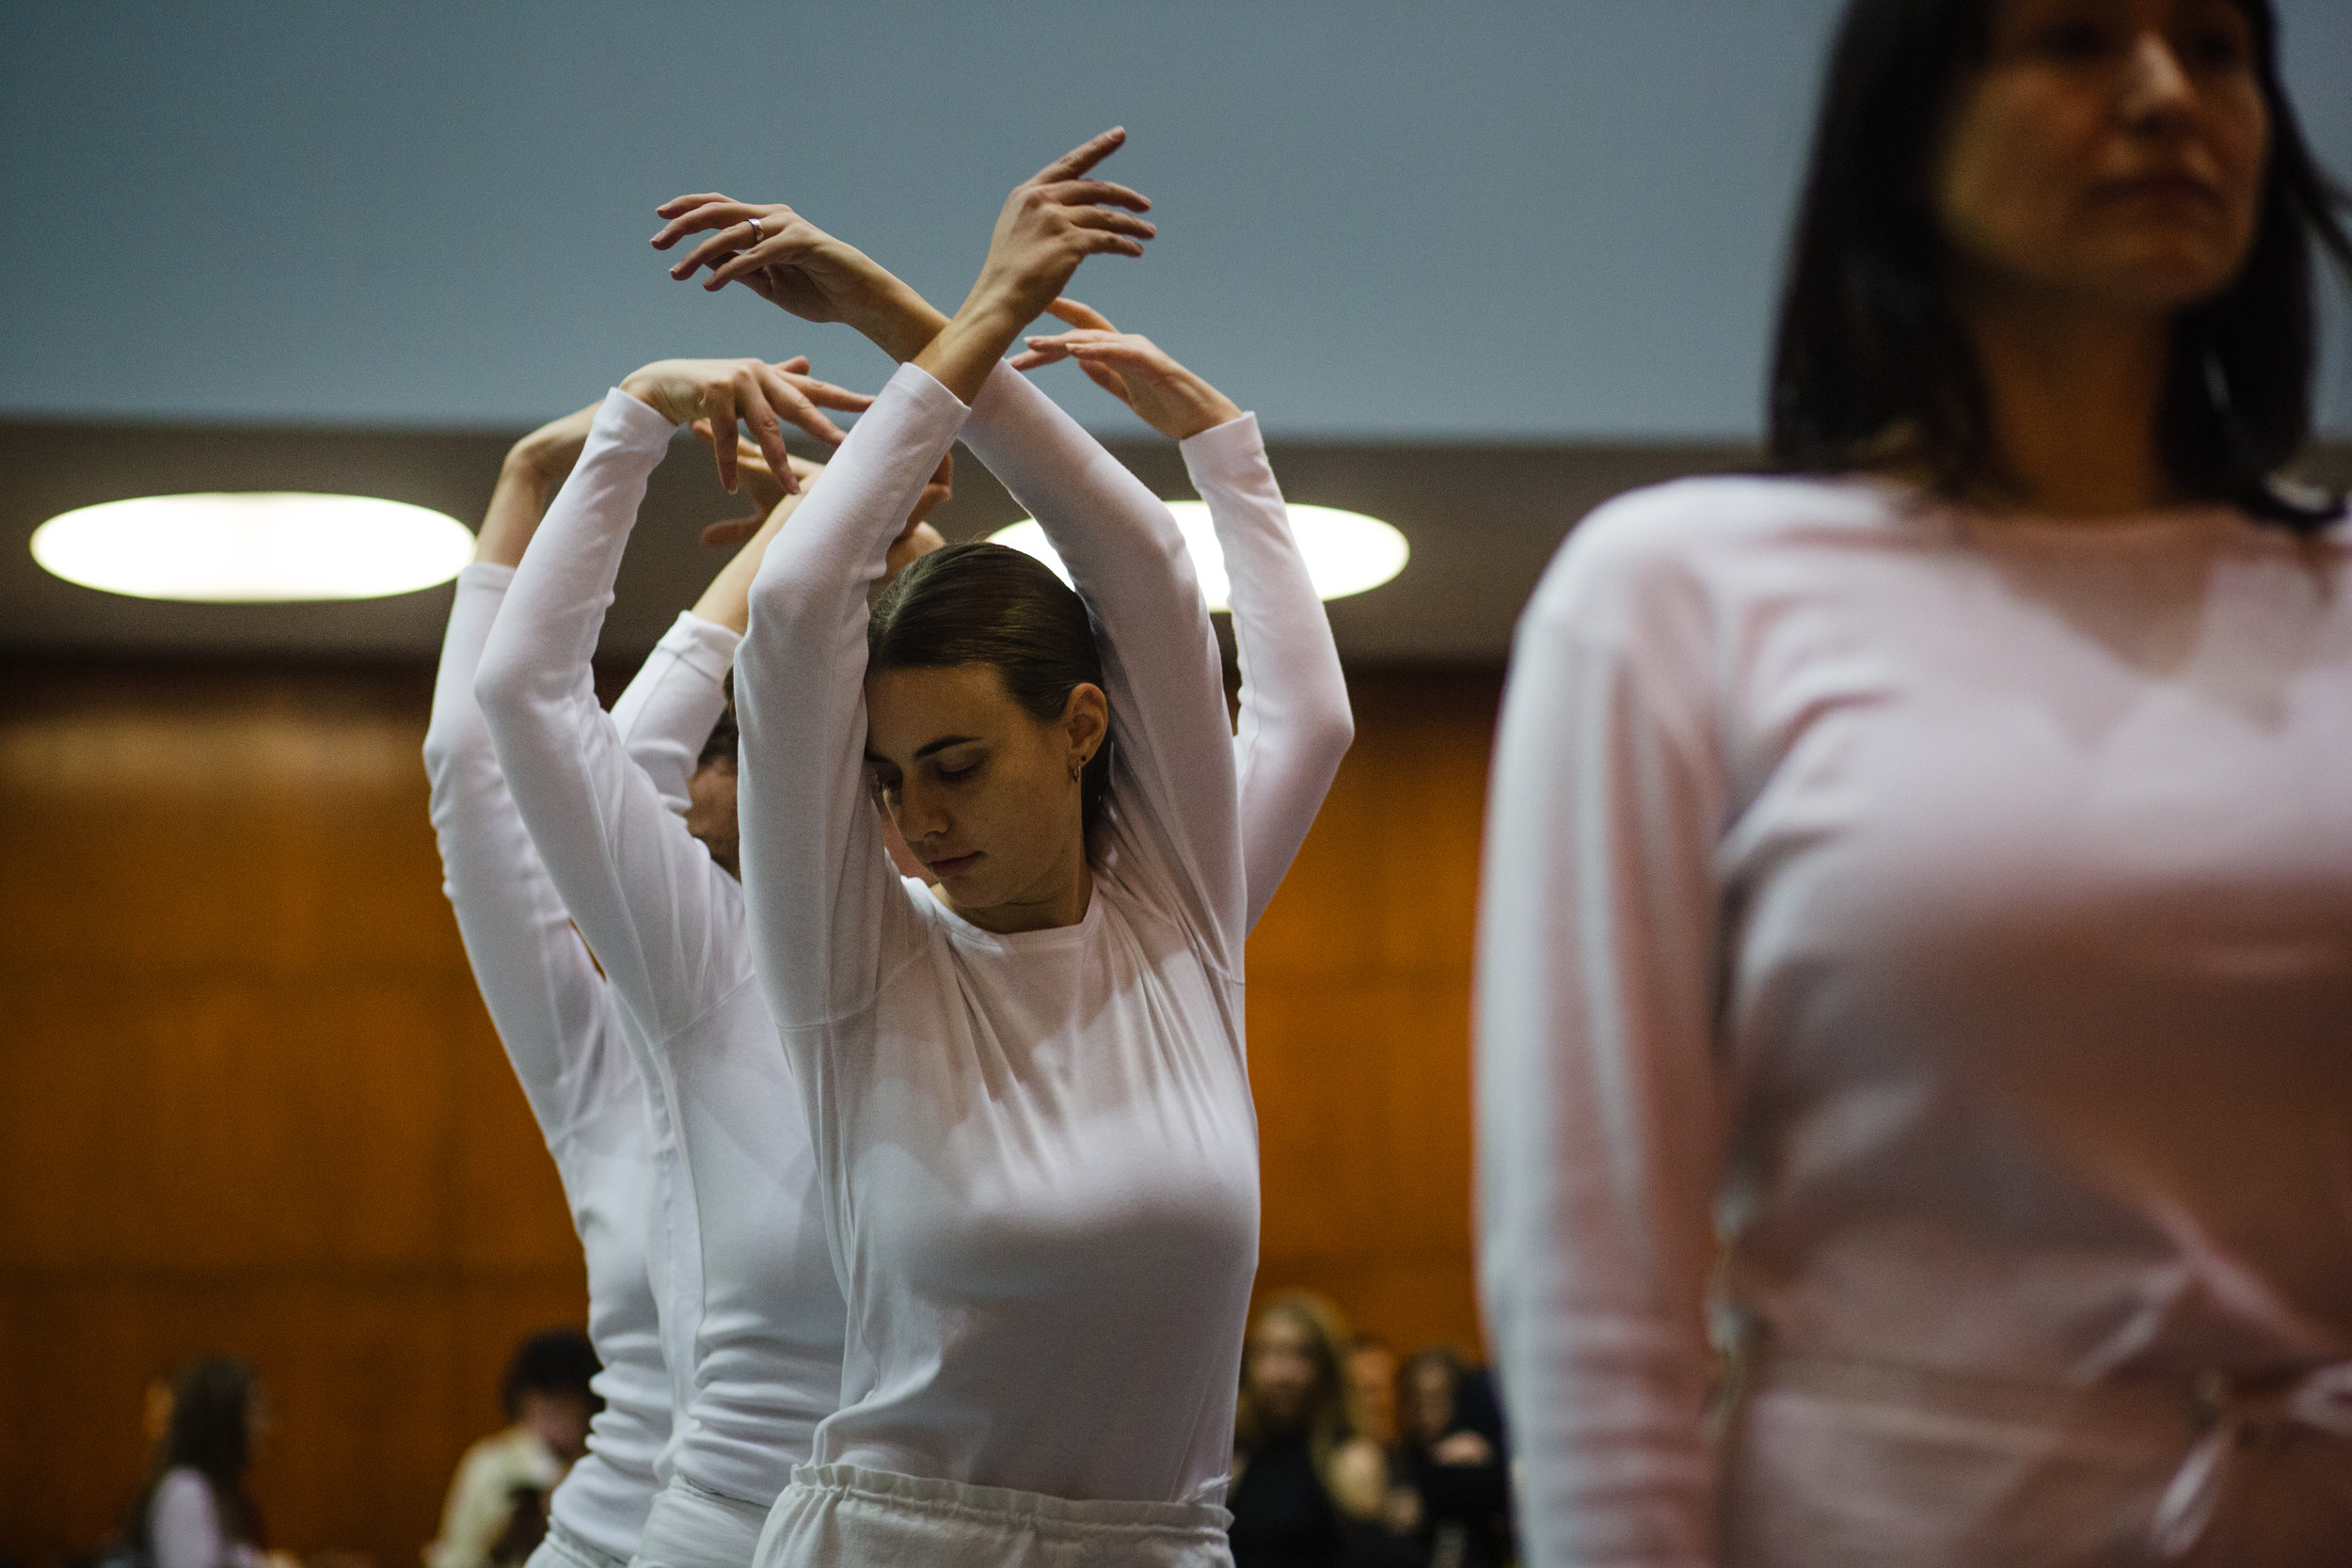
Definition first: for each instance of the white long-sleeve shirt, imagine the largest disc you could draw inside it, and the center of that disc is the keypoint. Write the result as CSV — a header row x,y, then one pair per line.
x,y
1959,912
1039,1149
666,924
1295,724
564,1036
184,1527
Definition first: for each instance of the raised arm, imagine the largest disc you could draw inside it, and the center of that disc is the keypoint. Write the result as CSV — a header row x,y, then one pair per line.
x,y
545,997
1171,737
1294,723
1600,1111
1124,550
675,701
1175,788
641,889
817,884
543,994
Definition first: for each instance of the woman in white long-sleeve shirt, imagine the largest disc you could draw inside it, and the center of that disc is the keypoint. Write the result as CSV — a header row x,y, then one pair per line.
x,y
662,916
1026,1089
1934,876
553,1012
1294,727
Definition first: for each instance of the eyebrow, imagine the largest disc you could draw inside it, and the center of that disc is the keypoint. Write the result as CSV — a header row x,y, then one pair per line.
x,y
940,745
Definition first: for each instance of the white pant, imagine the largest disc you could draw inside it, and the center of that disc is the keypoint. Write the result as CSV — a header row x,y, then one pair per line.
x,y
689,1526
560,1548
841,1517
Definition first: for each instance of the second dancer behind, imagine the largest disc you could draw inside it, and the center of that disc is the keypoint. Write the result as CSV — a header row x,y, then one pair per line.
x,y
1026,1087
754,1281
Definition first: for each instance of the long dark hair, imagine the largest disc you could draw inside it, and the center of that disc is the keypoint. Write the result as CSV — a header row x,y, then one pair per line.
x,y
1869,346
211,1432
989,604
1332,1419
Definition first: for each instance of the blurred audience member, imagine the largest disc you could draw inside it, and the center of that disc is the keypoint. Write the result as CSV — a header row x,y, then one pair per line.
x,y
193,1511
497,1509
1455,1461
1310,1487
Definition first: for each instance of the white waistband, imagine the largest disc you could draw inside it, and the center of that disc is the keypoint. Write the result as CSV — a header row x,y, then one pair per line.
x,y
1027,1512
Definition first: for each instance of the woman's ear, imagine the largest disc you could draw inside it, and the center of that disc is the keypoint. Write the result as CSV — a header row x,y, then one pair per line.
x,y
1086,716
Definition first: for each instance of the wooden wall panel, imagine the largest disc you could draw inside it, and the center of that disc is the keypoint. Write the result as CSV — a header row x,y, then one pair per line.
x,y
1359,1020
252,1104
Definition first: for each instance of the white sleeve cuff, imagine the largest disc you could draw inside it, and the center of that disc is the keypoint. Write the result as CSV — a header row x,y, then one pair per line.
x,y
627,421
912,380
1229,453
484,577
704,646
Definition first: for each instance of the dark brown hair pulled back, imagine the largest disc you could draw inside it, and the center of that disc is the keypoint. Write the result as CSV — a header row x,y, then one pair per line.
x,y
989,604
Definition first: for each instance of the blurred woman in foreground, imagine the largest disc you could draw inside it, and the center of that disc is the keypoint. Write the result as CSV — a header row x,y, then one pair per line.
x,y
1932,875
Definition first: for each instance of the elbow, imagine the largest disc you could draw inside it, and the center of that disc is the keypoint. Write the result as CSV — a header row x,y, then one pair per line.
x,y
776,599
1333,730
442,751
500,685
455,737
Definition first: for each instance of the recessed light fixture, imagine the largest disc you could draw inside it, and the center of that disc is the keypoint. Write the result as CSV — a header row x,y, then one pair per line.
x,y
1346,553
258,548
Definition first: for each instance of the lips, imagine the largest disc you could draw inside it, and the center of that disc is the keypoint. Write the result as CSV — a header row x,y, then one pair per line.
x,y
953,865
2167,187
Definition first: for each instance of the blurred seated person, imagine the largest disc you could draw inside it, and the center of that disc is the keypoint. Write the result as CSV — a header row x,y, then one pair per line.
x,y
1455,1461
497,1509
1310,1487
195,1511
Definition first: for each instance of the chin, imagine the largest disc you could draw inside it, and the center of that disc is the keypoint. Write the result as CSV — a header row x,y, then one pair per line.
x,y
972,896
2168,271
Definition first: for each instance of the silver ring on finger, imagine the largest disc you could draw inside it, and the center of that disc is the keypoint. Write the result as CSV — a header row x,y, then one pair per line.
x,y
756,235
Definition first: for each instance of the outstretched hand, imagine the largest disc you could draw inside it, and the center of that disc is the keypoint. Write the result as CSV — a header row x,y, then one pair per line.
x,y
763,396
1133,368
795,266
1054,220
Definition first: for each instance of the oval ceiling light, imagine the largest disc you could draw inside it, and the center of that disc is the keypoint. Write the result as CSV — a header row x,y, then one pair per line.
x,y
256,547
1346,553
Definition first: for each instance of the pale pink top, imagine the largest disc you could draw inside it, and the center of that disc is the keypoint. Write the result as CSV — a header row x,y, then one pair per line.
x,y
1958,913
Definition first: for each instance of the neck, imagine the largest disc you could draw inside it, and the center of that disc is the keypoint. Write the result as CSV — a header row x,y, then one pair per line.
x,y
1059,899
2074,395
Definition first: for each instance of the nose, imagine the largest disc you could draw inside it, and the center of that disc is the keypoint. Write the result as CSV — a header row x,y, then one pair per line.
x,y
920,813
2157,93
